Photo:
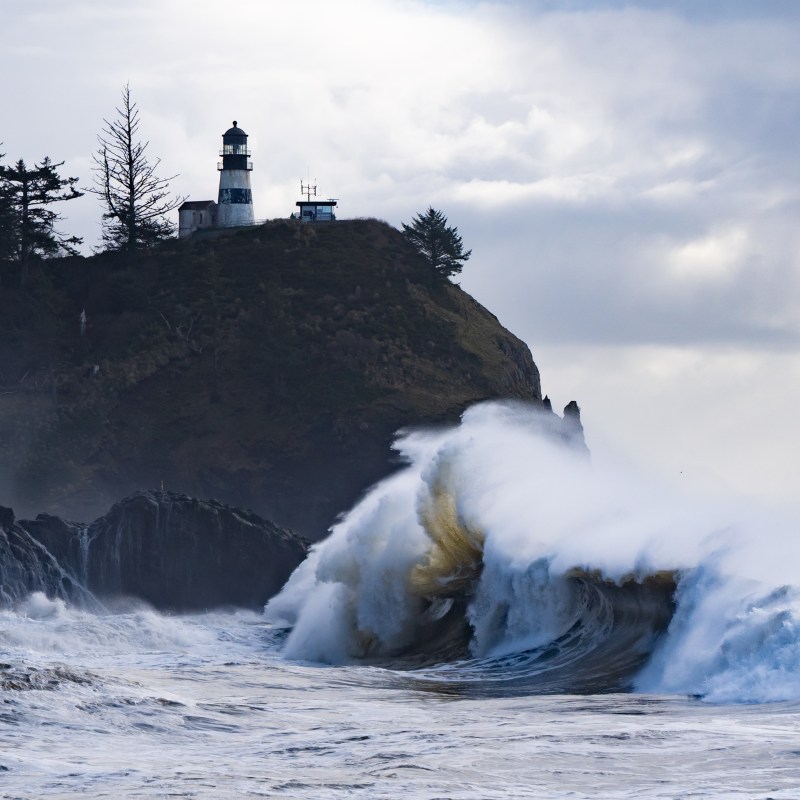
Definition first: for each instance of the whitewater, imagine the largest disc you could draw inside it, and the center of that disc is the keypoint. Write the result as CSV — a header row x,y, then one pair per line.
x,y
500,618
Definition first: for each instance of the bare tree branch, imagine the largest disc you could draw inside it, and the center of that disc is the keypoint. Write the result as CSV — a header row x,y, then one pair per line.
x,y
136,200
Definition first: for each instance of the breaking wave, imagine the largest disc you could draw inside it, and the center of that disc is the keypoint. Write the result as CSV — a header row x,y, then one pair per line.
x,y
501,560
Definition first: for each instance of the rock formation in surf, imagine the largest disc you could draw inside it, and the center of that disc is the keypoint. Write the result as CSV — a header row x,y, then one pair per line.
x,y
26,566
268,367
173,551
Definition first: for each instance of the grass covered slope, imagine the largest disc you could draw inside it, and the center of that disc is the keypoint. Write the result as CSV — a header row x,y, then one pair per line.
x,y
267,368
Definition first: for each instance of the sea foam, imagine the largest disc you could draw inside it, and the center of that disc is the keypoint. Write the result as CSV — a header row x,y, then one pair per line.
x,y
502,522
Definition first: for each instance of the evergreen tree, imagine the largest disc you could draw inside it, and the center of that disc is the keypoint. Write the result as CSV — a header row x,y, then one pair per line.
x,y
6,228
135,198
7,218
437,242
28,225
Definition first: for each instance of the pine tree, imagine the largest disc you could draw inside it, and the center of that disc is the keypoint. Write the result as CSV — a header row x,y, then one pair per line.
x,y
28,225
6,228
135,198
437,242
7,218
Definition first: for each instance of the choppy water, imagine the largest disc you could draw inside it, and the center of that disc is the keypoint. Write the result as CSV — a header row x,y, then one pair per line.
x,y
500,619
138,705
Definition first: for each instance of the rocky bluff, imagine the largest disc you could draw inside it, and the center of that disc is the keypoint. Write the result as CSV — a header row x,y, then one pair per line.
x,y
27,566
173,551
268,367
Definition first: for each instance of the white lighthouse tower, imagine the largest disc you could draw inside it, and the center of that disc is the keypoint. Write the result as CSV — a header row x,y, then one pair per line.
x,y
235,205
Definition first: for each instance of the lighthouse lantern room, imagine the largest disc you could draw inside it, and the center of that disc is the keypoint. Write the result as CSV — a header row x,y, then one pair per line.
x,y
235,204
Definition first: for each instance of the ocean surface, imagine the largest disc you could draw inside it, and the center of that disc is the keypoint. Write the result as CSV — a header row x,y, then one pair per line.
x,y
141,705
500,619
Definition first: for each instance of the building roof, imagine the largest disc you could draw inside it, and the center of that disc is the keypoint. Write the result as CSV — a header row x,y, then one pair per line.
x,y
318,202
196,205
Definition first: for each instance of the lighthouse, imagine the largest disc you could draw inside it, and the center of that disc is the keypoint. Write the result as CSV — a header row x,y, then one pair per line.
x,y
235,205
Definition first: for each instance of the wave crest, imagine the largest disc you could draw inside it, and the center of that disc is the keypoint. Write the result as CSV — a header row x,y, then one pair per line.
x,y
454,560
502,560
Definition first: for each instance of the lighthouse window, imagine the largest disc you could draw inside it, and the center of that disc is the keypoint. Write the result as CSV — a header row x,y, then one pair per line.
x,y
236,196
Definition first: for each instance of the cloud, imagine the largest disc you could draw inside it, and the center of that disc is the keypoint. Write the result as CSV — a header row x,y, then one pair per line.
x,y
460,93
626,173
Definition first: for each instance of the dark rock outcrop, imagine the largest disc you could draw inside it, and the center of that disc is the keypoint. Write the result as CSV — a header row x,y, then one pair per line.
x,y
573,427
26,566
569,428
173,551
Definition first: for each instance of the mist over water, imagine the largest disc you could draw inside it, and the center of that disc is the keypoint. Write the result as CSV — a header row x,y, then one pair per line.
x,y
502,556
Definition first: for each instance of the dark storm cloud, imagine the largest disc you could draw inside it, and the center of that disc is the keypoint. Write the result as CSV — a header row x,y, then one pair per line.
x,y
627,275
670,218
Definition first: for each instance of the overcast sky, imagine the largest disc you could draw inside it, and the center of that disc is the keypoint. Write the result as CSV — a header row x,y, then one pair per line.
x,y
627,175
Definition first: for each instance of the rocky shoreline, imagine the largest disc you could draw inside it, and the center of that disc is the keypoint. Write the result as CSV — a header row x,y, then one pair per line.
x,y
174,552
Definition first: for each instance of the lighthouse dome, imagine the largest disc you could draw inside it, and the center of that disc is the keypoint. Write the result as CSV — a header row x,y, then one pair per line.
x,y
234,131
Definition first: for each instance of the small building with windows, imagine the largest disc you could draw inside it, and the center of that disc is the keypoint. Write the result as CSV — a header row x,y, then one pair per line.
x,y
196,214
316,210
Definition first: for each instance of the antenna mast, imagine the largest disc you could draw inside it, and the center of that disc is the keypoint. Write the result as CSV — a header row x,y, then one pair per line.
x,y
308,190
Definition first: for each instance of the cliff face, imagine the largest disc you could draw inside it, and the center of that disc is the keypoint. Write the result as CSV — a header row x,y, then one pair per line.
x,y
268,368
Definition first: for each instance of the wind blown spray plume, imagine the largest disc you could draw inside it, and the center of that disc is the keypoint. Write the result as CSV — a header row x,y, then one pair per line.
x,y
502,560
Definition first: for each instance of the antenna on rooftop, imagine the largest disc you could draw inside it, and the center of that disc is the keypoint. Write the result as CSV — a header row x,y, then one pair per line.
x,y
308,190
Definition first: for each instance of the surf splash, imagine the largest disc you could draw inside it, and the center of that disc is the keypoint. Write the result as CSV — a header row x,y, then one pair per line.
x,y
500,557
